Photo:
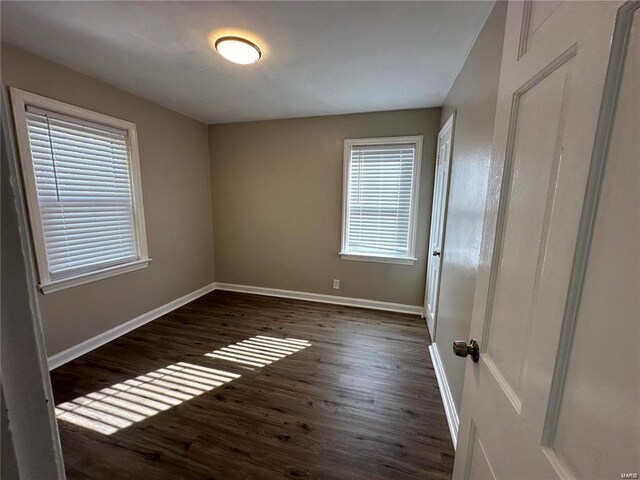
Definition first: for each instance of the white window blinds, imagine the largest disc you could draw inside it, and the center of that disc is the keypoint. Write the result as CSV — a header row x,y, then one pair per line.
x,y
84,192
379,199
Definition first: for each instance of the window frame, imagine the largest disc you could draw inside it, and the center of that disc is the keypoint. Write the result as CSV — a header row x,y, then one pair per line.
x,y
19,100
410,258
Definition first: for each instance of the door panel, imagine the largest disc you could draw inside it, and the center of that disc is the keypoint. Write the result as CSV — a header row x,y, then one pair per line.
x,y
600,401
540,11
546,152
534,16
537,132
438,219
479,467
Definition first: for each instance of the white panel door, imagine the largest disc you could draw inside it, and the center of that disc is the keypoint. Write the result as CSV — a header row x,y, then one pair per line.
x,y
551,129
438,219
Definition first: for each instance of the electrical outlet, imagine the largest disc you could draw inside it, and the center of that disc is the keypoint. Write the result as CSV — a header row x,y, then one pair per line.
x,y
336,284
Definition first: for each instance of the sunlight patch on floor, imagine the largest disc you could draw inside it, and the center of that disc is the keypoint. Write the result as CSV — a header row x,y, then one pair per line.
x,y
121,405
259,351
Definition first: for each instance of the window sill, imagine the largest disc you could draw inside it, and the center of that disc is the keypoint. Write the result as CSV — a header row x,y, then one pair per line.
x,y
363,257
65,283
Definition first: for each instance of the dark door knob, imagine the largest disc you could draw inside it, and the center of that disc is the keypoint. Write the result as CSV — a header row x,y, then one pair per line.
x,y
462,349
436,253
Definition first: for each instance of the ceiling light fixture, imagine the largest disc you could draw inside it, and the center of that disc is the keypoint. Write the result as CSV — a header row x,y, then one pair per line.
x,y
238,50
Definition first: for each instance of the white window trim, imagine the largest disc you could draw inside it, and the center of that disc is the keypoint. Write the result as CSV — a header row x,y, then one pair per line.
x,y
411,258
20,99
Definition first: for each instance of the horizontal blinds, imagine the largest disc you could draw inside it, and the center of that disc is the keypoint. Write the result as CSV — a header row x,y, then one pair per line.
x,y
83,183
379,209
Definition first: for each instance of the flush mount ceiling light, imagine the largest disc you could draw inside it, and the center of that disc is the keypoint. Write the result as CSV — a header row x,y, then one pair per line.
x,y
238,50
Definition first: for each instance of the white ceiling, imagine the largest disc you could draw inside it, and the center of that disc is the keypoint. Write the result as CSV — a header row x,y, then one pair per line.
x,y
319,58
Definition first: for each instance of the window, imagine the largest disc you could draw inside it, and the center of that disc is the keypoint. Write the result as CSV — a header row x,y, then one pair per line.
x,y
381,180
82,184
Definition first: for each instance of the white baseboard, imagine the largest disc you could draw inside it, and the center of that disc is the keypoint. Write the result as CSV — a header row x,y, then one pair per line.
x,y
69,354
318,297
445,393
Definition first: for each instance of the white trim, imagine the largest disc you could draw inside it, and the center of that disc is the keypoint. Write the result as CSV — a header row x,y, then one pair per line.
x,y
377,258
54,361
318,297
445,392
69,354
415,192
76,280
46,103
449,124
36,441
20,99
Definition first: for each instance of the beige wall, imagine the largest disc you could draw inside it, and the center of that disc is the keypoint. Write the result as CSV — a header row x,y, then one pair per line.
x,y
277,204
473,97
174,161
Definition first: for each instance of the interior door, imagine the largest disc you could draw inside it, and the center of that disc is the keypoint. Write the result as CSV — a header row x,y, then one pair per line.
x,y
537,404
438,218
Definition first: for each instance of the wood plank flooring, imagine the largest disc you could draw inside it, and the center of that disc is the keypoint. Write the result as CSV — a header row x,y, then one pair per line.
x,y
237,386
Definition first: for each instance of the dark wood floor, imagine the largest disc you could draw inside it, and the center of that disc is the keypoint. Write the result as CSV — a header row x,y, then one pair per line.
x,y
353,397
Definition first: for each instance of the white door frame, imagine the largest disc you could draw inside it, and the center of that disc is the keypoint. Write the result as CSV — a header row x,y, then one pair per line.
x,y
435,249
26,386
